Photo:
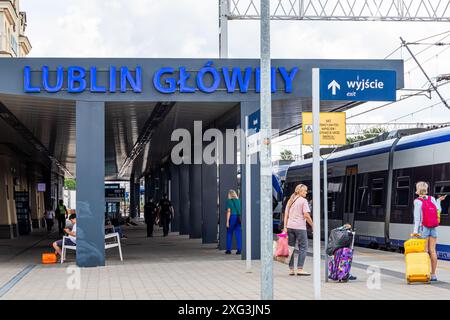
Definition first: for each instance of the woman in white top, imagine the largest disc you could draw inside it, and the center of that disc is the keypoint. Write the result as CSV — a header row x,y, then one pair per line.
x,y
424,232
49,218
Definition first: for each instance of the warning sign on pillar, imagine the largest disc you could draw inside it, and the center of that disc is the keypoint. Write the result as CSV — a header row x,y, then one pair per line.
x,y
332,128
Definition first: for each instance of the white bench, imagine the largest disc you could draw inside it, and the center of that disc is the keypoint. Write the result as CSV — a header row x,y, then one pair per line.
x,y
108,245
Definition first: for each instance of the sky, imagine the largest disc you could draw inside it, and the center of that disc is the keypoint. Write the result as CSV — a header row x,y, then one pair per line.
x,y
189,29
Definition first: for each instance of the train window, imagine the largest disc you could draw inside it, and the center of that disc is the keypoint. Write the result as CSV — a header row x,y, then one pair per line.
x,y
377,192
440,189
362,200
403,182
445,206
402,191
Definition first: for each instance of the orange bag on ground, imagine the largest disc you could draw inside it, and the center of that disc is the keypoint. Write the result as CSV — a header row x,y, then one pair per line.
x,y
49,258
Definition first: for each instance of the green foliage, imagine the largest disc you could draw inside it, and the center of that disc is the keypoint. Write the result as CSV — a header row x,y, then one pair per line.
x,y
70,184
367,134
286,155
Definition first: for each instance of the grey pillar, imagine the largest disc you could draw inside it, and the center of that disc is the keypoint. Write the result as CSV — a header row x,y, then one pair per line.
x,y
227,181
90,127
175,197
137,188
133,196
195,195
209,203
248,108
184,199
147,188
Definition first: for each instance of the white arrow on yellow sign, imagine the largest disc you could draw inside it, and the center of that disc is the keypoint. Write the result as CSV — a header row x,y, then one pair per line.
x,y
332,128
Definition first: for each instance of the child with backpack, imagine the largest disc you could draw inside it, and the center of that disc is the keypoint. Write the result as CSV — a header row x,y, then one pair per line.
x,y
426,220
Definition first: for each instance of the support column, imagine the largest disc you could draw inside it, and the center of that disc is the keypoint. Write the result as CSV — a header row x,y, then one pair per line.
x,y
137,190
195,195
209,203
175,197
184,199
90,127
248,108
227,181
132,197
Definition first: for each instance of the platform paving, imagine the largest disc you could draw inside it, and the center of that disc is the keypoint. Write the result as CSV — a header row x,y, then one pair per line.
x,y
176,267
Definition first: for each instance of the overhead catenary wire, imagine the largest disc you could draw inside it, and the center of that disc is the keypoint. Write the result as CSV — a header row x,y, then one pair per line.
x,y
427,48
392,102
417,111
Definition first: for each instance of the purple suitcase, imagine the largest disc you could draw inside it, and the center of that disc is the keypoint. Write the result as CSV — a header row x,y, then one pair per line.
x,y
340,264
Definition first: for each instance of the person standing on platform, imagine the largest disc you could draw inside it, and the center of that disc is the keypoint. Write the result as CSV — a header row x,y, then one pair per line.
x,y
61,215
234,221
296,216
424,207
49,218
165,213
150,216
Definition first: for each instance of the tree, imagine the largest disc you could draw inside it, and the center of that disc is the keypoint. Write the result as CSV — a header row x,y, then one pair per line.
x,y
367,134
286,155
70,184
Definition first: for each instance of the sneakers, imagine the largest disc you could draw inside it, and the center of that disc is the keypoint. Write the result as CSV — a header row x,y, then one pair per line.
x,y
351,277
433,278
238,252
303,273
228,252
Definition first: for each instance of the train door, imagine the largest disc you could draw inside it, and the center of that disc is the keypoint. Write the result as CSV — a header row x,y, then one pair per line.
x,y
350,194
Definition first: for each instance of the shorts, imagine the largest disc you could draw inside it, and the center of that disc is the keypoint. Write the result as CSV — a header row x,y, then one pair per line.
x,y
425,232
68,242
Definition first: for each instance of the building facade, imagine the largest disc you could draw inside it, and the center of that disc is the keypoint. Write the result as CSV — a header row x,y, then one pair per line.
x,y
13,22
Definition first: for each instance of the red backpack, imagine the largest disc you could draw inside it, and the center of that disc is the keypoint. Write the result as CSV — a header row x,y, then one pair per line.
x,y
429,213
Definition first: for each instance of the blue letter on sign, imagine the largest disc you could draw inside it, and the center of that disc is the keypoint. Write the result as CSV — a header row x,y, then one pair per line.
x,y
59,79
170,81
125,75
94,87
76,75
27,81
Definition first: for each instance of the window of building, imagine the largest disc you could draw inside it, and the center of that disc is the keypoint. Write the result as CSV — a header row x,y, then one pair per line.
x,y
402,191
377,192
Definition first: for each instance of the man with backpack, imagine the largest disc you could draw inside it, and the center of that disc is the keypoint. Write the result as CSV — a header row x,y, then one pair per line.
x,y
61,214
165,213
426,220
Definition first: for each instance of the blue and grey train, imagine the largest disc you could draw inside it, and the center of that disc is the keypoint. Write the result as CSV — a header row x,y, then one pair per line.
x,y
372,186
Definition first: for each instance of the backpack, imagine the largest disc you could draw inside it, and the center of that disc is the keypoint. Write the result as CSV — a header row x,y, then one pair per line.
x,y
339,238
429,213
165,206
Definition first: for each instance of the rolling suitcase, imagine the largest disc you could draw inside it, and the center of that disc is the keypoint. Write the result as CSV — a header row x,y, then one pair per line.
x,y
418,267
341,262
417,260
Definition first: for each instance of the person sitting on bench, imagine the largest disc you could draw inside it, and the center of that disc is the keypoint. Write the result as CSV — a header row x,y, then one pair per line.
x,y
71,240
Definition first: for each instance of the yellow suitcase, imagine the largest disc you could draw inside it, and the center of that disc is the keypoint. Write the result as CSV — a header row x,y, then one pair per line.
x,y
418,267
415,245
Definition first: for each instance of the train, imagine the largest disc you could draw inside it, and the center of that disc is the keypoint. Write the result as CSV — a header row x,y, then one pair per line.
x,y
371,185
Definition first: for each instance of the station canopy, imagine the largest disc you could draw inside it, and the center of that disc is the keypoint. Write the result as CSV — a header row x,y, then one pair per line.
x,y
145,101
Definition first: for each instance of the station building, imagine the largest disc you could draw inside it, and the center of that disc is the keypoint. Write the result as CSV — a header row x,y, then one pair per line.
x,y
113,120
